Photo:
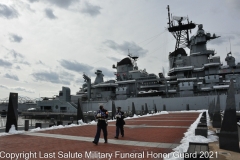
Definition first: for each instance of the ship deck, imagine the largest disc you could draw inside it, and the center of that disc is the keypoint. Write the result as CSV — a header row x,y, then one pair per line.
x,y
145,138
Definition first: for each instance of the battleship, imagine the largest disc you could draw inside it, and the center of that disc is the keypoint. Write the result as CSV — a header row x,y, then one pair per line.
x,y
193,81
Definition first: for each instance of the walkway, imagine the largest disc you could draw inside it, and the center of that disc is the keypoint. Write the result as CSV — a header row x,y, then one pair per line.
x,y
145,138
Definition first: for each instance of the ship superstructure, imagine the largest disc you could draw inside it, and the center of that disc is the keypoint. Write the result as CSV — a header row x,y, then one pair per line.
x,y
194,78
199,73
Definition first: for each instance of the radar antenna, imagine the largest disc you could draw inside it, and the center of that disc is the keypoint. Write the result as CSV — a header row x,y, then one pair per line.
x,y
134,59
180,31
131,56
230,45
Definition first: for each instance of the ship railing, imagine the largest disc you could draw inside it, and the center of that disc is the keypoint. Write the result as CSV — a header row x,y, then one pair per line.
x,y
195,95
63,111
210,49
115,73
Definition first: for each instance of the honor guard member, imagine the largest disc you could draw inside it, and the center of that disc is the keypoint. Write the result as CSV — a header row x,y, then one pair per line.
x,y
119,122
101,116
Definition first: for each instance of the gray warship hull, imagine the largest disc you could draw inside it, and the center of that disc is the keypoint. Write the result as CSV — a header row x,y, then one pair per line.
x,y
21,106
162,104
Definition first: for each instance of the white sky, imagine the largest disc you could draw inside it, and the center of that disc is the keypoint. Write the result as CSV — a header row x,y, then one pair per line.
x,y
47,44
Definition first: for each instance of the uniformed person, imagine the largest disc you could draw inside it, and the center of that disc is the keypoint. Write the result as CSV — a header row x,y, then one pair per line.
x,y
119,122
101,116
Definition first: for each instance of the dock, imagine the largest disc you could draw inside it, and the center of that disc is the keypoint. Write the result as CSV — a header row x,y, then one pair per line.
x,y
150,137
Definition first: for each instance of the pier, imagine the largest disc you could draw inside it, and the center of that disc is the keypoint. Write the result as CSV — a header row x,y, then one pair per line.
x,y
146,137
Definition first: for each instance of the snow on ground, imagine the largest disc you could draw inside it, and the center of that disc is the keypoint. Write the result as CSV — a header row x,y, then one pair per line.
x,y
185,111
14,131
147,115
80,123
189,136
11,131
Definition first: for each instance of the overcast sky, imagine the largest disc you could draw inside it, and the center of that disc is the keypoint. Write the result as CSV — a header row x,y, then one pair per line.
x,y
47,44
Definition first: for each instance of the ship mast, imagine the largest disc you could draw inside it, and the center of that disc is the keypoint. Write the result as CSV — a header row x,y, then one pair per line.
x,y
180,31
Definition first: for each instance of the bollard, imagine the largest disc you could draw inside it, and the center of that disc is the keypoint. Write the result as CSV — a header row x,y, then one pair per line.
x,y
164,107
71,119
52,123
26,125
38,125
59,123
239,131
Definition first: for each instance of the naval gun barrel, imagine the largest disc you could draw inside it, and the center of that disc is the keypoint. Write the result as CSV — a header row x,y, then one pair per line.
x,y
171,78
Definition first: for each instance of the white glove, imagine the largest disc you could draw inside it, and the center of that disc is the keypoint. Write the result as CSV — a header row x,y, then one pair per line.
x,y
99,115
118,116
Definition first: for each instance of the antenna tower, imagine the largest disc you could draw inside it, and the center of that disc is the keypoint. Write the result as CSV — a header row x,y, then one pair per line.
x,y
179,31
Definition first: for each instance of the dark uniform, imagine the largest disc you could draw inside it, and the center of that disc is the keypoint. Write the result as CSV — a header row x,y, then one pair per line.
x,y
101,116
119,122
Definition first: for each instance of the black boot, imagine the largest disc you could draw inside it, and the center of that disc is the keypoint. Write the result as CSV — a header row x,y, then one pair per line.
x,y
105,138
95,142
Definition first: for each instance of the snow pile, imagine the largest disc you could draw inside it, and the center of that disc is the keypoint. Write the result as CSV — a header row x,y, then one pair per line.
x,y
92,122
57,127
4,134
36,129
163,112
135,116
147,115
111,120
11,131
187,111
80,122
45,129
190,137
158,113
